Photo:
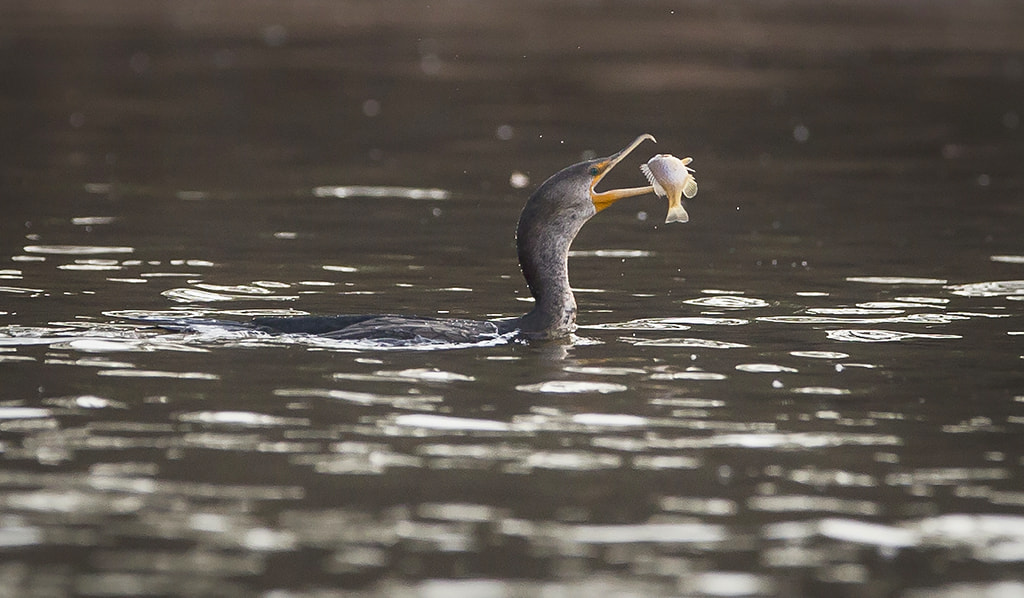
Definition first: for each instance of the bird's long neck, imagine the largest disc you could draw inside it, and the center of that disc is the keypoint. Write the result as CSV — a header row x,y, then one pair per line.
x,y
543,239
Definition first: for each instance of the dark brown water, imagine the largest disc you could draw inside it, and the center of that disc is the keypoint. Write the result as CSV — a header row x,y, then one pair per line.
x,y
815,387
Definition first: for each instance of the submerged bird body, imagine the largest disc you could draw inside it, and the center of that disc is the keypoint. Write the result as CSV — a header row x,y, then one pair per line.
x,y
380,330
549,222
672,178
384,327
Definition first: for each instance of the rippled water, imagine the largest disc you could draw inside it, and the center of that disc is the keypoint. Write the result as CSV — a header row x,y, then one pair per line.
x,y
815,386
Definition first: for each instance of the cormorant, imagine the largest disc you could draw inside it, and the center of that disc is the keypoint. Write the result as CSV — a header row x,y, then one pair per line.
x,y
549,222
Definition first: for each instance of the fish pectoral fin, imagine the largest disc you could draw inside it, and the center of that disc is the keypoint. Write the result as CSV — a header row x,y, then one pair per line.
x,y
658,189
690,187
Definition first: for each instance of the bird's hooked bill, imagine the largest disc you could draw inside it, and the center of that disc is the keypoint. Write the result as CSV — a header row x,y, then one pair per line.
x,y
606,198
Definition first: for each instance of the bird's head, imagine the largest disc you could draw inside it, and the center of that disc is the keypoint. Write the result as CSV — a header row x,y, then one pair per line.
x,y
571,194
597,169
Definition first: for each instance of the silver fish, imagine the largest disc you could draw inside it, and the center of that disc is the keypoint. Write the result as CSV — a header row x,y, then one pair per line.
x,y
671,178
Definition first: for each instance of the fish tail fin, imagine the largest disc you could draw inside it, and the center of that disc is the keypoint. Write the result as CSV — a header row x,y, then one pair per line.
x,y
676,211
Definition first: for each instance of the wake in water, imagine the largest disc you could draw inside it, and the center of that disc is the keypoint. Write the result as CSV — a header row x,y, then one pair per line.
x,y
139,330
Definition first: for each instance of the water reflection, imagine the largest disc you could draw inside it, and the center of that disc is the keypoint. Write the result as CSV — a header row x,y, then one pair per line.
x,y
343,192
572,387
998,288
783,511
75,249
684,342
882,336
728,302
223,521
682,323
813,388
222,293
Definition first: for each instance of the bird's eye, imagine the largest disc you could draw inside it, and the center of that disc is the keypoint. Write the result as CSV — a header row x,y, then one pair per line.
x,y
594,171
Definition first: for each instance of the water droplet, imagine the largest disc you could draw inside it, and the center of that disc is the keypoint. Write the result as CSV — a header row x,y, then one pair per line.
x,y
371,108
801,133
518,180
431,64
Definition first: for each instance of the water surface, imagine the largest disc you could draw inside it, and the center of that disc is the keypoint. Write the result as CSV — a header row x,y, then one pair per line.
x,y
815,386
